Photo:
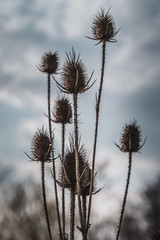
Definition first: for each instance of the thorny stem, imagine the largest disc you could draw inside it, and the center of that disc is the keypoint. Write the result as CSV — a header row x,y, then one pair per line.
x,y
44,200
77,159
96,132
63,190
84,234
84,203
125,196
49,106
54,172
72,214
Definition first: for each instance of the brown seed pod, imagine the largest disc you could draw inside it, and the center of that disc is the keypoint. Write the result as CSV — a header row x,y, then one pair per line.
x,y
49,63
63,111
131,138
68,175
41,146
74,75
103,28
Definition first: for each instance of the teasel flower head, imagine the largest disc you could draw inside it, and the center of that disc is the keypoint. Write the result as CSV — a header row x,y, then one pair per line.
x,y
68,175
131,140
49,63
74,75
63,111
41,146
154,234
103,27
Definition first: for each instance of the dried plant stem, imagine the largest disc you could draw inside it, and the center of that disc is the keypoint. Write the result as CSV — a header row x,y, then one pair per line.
x,y
125,196
96,131
72,213
84,234
63,190
75,97
49,106
44,199
54,172
84,204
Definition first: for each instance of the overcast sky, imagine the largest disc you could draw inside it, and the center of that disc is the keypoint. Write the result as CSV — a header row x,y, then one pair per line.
x,y
131,83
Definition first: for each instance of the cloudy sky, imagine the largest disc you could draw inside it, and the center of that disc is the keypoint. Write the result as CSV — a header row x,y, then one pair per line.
x,y
131,83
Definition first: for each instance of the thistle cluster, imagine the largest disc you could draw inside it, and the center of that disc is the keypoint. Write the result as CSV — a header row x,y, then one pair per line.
x,y
77,173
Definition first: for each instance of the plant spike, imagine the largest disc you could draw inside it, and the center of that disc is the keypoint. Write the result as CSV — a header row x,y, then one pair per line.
x,y
49,65
62,114
130,143
41,152
103,30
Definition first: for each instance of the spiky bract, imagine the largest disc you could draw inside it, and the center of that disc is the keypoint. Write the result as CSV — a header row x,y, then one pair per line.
x,y
68,176
41,146
131,138
74,74
49,63
103,28
86,181
63,111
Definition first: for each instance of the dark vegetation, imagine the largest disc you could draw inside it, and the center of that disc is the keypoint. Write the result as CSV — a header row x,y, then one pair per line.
x,y
22,215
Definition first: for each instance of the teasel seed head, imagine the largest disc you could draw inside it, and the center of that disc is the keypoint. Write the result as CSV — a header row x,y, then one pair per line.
x,y
131,140
41,146
49,63
68,175
103,28
63,111
74,75
154,234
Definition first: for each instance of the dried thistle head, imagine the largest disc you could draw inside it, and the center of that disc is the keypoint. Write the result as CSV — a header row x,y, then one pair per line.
x,y
103,28
74,75
131,138
68,175
63,111
49,63
154,234
41,146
